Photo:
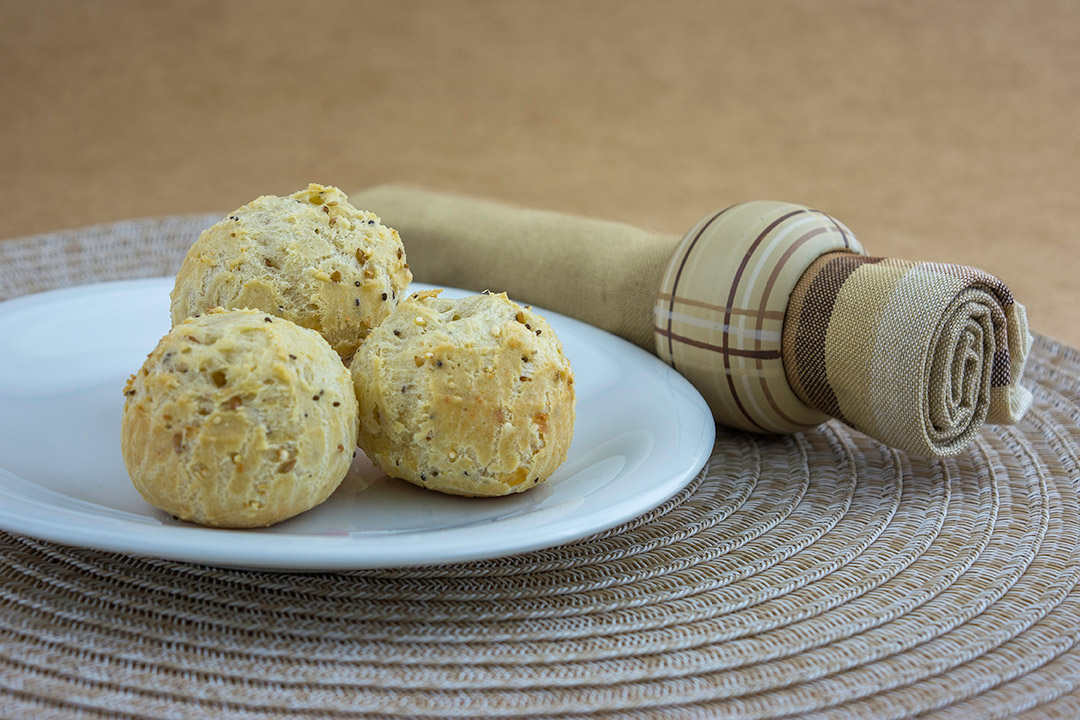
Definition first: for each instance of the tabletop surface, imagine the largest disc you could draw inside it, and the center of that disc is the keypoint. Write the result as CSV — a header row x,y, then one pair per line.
x,y
947,132
818,571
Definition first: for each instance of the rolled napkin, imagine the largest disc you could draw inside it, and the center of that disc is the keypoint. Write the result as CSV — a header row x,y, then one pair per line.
x,y
917,355
772,310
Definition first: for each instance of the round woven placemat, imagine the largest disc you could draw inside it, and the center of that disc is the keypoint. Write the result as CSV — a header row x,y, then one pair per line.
x,y
816,575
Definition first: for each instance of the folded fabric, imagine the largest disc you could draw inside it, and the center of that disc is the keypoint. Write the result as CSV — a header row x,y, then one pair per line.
x,y
917,355
772,310
604,273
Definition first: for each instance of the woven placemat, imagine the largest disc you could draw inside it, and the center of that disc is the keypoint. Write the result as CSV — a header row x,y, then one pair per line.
x,y
816,575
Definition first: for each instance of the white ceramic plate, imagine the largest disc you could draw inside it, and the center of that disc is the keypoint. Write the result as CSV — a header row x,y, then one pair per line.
x,y
642,433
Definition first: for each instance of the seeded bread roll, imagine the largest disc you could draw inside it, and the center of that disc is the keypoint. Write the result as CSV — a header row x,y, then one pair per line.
x,y
238,419
311,258
467,397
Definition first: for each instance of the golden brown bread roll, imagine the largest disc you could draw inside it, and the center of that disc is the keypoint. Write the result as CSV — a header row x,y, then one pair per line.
x,y
469,397
239,419
311,258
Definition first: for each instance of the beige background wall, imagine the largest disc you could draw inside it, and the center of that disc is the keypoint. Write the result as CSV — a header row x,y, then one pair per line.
x,y
941,131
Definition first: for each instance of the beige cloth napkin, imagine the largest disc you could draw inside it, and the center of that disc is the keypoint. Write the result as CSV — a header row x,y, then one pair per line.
x,y
917,355
604,273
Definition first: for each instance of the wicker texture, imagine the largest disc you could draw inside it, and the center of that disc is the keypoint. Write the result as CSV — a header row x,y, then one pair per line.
x,y
819,575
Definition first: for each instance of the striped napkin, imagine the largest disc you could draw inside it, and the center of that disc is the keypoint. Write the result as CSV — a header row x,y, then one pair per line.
x,y
917,355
